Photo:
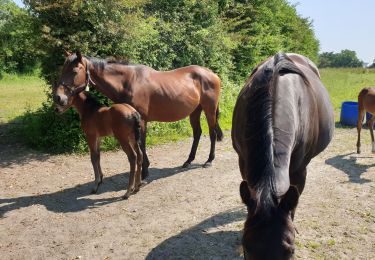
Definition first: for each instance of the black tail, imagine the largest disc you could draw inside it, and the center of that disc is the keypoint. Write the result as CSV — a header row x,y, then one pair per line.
x,y
219,132
137,127
259,132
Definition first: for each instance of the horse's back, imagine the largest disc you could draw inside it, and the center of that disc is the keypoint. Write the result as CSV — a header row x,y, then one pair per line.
x,y
366,99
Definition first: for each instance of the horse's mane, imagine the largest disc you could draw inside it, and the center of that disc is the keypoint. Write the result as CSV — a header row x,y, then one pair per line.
x,y
101,63
259,133
91,101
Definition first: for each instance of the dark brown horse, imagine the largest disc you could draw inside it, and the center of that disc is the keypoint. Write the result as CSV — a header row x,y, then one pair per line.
x,y
120,120
366,102
158,96
282,119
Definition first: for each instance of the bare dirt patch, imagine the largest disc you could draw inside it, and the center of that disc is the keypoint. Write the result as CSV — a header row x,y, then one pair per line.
x,y
47,211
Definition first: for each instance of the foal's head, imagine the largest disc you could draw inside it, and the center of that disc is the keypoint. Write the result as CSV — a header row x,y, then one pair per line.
x,y
269,232
74,77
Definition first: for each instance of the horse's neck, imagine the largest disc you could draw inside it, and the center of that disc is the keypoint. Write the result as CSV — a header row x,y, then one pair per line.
x,y
108,83
79,103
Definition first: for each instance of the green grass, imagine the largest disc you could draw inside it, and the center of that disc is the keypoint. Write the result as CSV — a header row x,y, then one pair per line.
x,y
345,84
19,94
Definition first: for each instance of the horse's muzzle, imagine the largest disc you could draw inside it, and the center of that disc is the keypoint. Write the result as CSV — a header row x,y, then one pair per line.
x,y
61,100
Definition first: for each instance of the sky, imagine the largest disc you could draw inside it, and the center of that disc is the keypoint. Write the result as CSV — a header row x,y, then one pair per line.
x,y
342,24
338,24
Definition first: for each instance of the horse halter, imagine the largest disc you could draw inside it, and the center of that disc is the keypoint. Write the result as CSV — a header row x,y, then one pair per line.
x,y
76,90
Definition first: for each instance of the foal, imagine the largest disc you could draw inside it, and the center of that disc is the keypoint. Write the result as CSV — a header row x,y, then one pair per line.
x,y
366,102
120,120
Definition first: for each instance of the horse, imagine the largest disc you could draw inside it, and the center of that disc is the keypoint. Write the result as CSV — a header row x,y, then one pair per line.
x,y
366,102
163,96
282,118
120,120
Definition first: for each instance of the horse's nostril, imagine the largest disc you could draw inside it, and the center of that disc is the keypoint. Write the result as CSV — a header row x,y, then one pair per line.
x,y
56,98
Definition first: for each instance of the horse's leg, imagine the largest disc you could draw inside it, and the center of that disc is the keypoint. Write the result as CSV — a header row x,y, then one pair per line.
x,y
138,179
361,113
94,146
299,180
146,162
195,122
211,121
132,161
371,127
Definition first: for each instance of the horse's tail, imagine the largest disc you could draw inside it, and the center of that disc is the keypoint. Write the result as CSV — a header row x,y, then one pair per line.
x,y
259,129
137,127
219,132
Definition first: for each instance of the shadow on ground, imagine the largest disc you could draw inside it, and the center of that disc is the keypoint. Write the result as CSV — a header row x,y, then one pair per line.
x,y
347,163
206,240
78,198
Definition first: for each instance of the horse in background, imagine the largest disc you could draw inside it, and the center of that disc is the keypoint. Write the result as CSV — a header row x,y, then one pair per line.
x,y
283,118
164,96
366,102
120,120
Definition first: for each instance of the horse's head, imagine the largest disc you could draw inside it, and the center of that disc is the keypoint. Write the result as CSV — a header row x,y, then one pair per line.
x,y
63,97
269,234
74,78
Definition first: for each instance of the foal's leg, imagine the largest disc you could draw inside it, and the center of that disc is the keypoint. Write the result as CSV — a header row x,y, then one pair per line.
x,y
138,181
132,160
94,146
146,162
371,127
195,122
361,113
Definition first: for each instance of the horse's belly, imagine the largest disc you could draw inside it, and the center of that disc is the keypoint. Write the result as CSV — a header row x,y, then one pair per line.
x,y
170,113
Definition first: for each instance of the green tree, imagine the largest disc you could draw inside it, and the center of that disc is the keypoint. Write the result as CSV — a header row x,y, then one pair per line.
x,y
18,38
346,58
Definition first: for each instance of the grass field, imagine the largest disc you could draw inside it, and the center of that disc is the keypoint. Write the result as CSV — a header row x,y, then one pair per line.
x,y
19,94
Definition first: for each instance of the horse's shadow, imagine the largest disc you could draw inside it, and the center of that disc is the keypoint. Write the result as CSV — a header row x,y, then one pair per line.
x,y
199,242
348,164
74,199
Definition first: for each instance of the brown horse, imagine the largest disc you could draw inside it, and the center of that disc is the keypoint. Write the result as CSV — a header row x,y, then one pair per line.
x,y
158,96
120,120
366,102
282,119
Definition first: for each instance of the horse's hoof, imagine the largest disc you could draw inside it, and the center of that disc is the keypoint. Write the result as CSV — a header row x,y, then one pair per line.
x,y
186,165
144,174
94,191
207,165
125,197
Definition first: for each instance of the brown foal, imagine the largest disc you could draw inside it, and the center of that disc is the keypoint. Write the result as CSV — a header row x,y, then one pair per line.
x,y
120,120
366,102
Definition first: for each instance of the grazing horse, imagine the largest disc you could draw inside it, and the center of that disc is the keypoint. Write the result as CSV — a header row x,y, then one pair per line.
x,y
366,102
158,96
282,119
120,120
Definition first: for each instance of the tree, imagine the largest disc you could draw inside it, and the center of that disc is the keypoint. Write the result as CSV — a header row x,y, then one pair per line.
x,y
346,58
18,39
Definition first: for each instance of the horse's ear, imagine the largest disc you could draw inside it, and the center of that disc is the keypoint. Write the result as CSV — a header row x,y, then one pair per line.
x,y
245,195
79,55
290,199
67,53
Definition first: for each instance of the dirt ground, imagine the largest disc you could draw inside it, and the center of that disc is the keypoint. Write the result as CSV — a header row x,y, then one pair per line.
x,y
47,211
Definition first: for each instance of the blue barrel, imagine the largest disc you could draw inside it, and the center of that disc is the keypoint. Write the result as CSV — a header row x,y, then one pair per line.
x,y
349,113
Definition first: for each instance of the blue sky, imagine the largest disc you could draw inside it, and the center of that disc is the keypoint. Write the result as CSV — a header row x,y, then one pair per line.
x,y
342,24
339,24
